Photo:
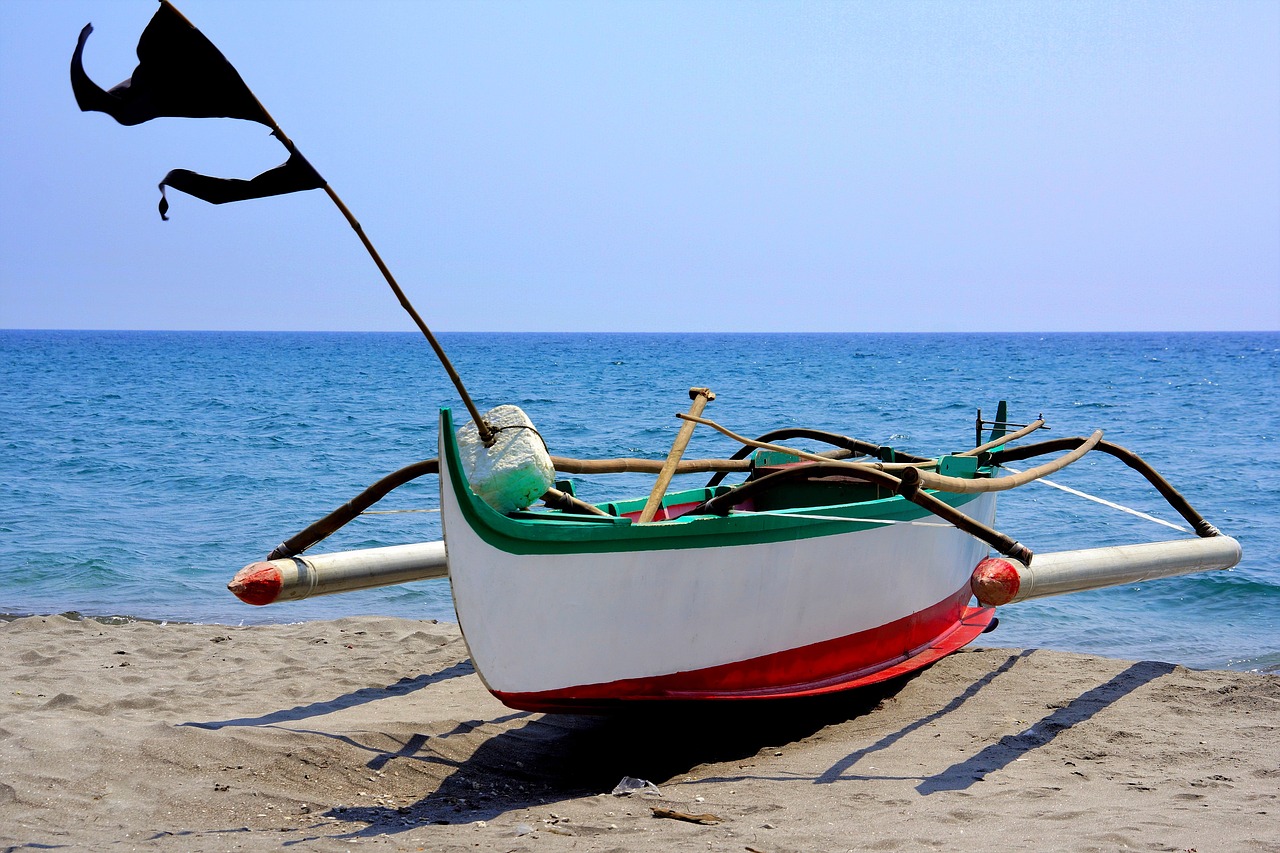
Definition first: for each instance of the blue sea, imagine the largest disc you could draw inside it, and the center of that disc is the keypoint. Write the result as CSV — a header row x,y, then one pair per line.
x,y
141,470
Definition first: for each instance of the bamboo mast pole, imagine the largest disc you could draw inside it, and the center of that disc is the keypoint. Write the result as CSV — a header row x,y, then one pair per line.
x,y
486,431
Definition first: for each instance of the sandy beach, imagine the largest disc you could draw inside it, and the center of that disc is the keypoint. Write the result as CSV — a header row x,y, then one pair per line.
x,y
372,732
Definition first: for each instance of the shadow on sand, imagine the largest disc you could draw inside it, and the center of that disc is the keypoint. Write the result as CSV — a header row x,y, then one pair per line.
x,y
551,758
349,700
548,759
534,760
1012,747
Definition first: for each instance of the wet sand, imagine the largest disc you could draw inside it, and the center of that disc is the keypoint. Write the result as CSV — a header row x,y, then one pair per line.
x,y
372,732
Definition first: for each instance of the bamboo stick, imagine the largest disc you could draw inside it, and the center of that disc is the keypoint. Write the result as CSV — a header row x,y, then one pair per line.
x,y
486,432
700,397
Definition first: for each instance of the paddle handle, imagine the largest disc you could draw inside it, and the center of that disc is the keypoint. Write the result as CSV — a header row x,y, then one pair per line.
x,y
700,397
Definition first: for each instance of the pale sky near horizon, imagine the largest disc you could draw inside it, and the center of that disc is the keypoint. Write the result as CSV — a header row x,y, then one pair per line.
x,y
653,166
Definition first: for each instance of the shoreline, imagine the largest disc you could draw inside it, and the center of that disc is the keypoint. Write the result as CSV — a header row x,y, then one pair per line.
x,y
1272,669
370,730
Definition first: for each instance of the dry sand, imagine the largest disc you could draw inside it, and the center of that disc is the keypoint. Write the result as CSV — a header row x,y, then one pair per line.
x,y
377,733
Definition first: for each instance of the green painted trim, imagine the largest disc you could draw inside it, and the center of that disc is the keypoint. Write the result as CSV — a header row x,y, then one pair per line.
x,y
561,535
999,430
773,457
958,466
687,496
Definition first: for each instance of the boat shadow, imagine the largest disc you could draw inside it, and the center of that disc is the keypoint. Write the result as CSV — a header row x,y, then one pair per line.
x,y
349,700
1010,748
538,760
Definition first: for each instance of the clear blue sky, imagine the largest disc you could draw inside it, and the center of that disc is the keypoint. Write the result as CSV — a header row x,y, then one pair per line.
x,y
664,167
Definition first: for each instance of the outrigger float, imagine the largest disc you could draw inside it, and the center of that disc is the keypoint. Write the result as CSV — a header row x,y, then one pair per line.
x,y
818,572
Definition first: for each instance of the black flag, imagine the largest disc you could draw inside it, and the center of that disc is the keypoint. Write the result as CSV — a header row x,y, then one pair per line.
x,y
290,176
181,73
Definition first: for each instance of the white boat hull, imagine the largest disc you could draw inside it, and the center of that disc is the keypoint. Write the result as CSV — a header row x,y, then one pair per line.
x,y
773,618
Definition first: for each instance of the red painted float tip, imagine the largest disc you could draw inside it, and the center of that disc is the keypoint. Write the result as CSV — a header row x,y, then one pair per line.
x,y
995,581
257,583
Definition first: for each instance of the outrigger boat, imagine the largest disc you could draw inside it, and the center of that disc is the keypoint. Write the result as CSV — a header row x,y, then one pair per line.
x,y
818,572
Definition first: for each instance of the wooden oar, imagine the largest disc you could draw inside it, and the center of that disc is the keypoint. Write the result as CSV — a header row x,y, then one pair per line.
x,y
700,397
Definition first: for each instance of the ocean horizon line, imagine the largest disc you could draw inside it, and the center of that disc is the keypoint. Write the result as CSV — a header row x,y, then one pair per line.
x,y
415,333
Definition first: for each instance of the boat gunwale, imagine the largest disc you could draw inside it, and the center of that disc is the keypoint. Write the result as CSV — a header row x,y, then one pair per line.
x,y
558,534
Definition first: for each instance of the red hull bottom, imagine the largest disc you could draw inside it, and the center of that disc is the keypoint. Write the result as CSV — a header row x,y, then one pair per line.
x,y
845,663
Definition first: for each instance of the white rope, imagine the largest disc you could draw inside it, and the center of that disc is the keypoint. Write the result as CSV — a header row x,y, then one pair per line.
x,y
785,514
1099,500
394,511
